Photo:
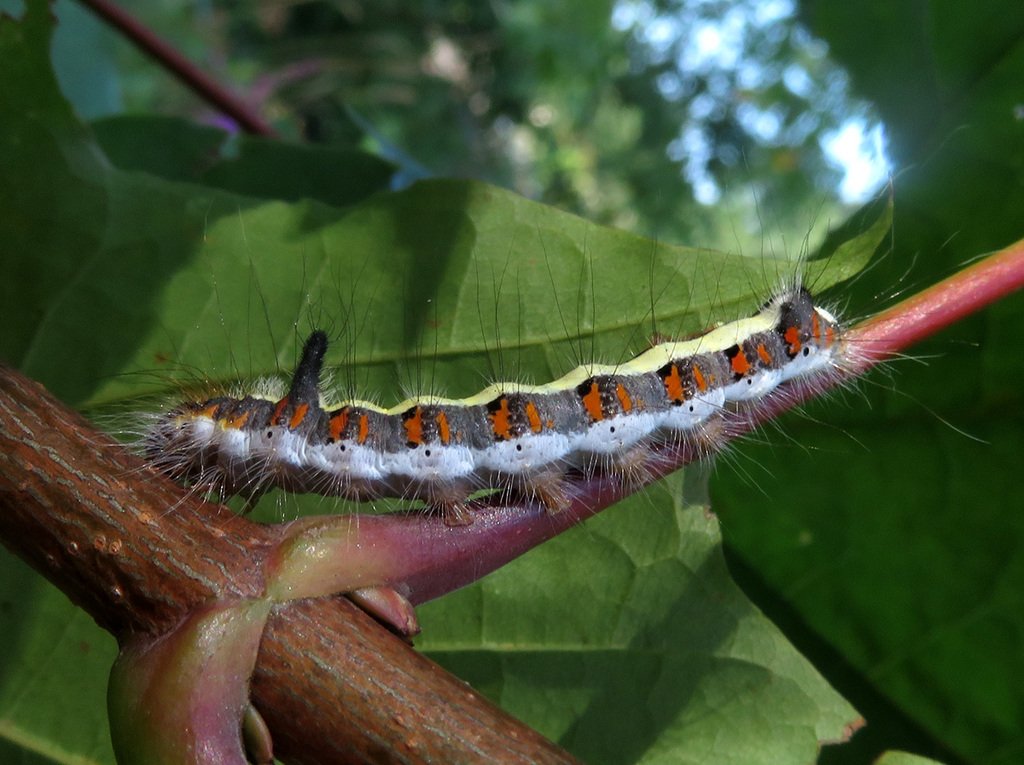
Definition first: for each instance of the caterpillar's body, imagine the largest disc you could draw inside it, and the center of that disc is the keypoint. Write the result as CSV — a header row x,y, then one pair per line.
x,y
516,438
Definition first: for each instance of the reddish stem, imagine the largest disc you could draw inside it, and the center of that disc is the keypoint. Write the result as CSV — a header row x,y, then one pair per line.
x,y
939,306
207,88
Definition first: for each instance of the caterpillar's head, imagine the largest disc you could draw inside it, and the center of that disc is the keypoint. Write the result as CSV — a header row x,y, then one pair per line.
x,y
809,333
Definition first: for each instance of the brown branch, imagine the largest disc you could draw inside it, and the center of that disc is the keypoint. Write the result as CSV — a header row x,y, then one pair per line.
x,y
430,716
78,508
121,542
202,84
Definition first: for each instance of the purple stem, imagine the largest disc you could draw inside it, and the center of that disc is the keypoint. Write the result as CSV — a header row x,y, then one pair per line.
x,y
207,88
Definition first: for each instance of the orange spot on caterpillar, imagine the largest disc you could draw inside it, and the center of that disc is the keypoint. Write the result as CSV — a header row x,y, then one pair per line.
x,y
444,430
338,423
237,422
792,337
762,353
673,382
699,379
275,418
738,361
300,414
815,326
413,422
623,395
210,411
500,419
364,429
533,416
591,399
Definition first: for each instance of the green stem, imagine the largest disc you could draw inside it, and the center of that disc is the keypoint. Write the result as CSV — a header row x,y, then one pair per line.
x,y
180,698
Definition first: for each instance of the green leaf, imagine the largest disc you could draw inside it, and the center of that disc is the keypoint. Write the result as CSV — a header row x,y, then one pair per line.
x,y
167,147
49,164
275,170
901,544
178,150
52,674
626,641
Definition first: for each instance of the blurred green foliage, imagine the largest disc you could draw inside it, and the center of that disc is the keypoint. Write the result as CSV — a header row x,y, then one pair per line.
x,y
625,112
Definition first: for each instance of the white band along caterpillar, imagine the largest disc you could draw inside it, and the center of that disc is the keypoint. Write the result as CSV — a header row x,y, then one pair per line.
x,y
520,439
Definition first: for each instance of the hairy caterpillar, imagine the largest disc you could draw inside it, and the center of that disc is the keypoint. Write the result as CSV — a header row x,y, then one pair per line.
x,y
518,439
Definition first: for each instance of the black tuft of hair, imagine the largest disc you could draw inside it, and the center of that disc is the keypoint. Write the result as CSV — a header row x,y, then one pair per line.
x,y
305,387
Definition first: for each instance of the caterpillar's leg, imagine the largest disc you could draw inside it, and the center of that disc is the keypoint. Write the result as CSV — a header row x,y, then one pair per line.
x,y
450,500
455,513
550,488
632,467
